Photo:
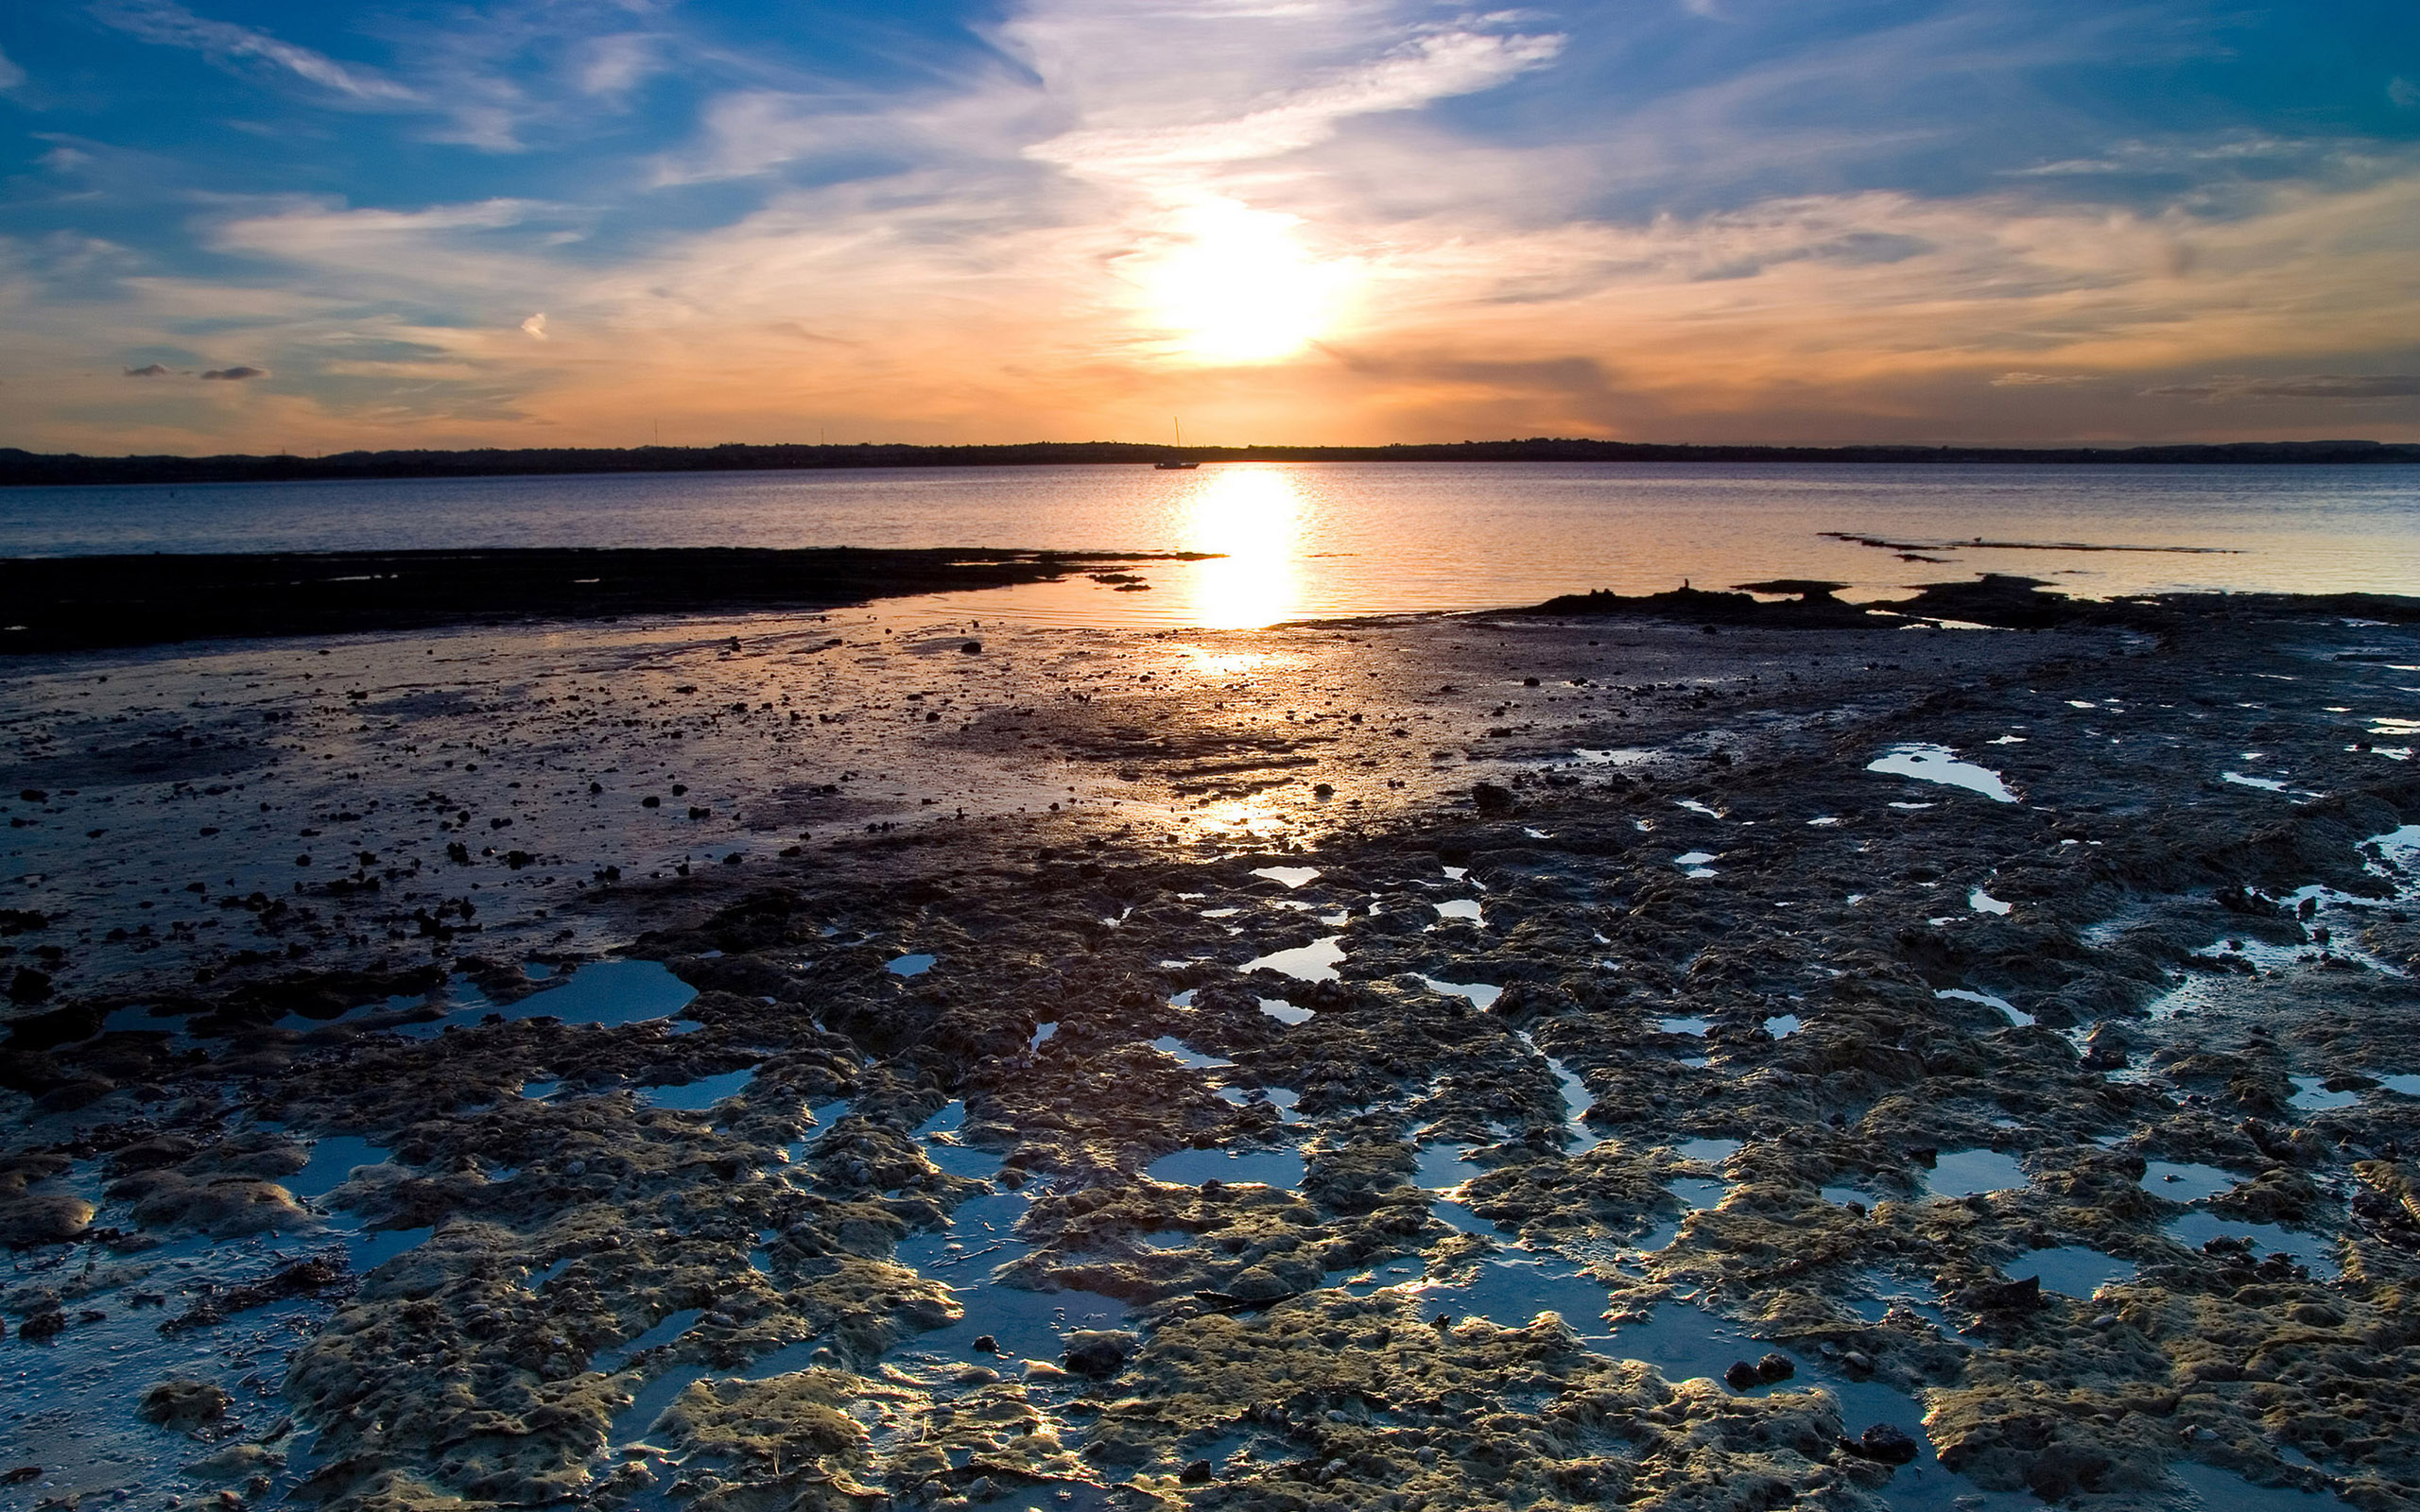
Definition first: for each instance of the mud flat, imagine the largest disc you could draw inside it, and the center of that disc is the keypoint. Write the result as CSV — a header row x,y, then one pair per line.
x,y
1620,1055
77,603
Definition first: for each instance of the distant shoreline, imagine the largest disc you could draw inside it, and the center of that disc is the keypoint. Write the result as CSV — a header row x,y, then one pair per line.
x,y
22,468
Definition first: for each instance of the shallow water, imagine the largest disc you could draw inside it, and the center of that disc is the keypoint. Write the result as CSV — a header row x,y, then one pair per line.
x,y
2071,1271
2196,1229
2183,1182
1482,995
696,1096
1190,1168
2016,1017
1315,962
2311,1095
608,993
1939,763
1340,538
1965,1172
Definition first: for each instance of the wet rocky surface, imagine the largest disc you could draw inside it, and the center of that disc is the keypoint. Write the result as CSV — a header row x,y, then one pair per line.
x,y
1495,1061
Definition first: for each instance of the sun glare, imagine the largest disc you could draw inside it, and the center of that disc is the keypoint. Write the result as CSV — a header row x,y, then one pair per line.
x,y
1251,517
1239,287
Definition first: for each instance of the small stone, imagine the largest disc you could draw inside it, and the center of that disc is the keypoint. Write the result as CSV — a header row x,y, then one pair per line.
x,y
1886,1445
1196,1473
1741,1376
985,1344
1776,1367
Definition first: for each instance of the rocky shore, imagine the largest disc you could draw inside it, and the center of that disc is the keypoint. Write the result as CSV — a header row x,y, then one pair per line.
x,y
1599,1057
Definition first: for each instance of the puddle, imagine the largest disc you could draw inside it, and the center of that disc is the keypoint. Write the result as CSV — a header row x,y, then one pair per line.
x,y
1622,756
1511,1287
1168,1044
1480,995
1291,876
1441,1167
1697,1193
332,1162
1940,763
1190,1168
1712,1152
1842,1196
2017,1017
1983,902
2071,1270
1284,1012
2408,1086
608,993
1693,863
2311,1095
1459,908
2219,1490
538,1092
1400,1271
2182,1182
1965,1172
2195,1230
696,1096
1695,807
1576,1099
368,1252
1041,1033
916,965
1281,1098
1315,962
1687,1026
615,1356
1461,1218
1782,1026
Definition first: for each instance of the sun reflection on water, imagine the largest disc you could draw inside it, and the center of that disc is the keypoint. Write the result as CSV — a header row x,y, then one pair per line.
x,y
1251,516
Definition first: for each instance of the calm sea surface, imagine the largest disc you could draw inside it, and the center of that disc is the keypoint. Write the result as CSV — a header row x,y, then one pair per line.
x,y
1314,540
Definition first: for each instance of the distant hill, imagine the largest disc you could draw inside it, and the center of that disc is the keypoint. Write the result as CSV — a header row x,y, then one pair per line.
x,y
22,468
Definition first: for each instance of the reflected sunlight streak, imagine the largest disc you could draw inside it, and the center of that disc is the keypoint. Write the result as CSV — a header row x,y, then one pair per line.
x,y
1251,516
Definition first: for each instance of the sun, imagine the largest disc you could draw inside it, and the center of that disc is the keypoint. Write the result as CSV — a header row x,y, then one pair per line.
x,y
1236,285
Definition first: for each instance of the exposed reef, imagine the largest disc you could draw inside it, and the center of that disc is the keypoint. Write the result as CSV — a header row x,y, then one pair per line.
x,y
1814,1064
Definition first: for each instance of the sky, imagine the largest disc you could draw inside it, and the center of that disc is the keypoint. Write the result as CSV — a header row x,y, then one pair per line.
x,y
265,225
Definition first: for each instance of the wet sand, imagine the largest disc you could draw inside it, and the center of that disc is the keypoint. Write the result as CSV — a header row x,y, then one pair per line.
x,y
1538,1061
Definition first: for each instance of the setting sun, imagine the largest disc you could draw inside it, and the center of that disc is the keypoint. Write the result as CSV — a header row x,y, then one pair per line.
x,y
1239,287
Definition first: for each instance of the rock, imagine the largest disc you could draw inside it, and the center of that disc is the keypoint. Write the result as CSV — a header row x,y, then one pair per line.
x,y
1099,1352
985,1344
1883,1444
1490,799
185,1404
43,1219
972,648
1742,1376
1196,1473
44,1325
1775,1366
2006,1297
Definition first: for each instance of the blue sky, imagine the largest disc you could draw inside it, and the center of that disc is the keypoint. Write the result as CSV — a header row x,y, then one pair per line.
x,y
256,223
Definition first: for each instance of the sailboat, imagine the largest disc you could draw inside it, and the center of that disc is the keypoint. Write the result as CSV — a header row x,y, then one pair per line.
x,y
1176,464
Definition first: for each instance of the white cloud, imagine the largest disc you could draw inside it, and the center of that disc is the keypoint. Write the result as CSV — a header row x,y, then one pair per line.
x,y
172,25
11,75
536,325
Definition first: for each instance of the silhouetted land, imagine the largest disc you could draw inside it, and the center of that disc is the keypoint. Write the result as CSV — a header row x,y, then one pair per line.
x,y
21,468
72,603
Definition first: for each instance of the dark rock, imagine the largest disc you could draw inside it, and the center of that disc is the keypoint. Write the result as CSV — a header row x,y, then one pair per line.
x,y
1776,1367
985,1344
1490,799
1742,1376
186,1404
1099,1352
1883,1444
1196,1473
